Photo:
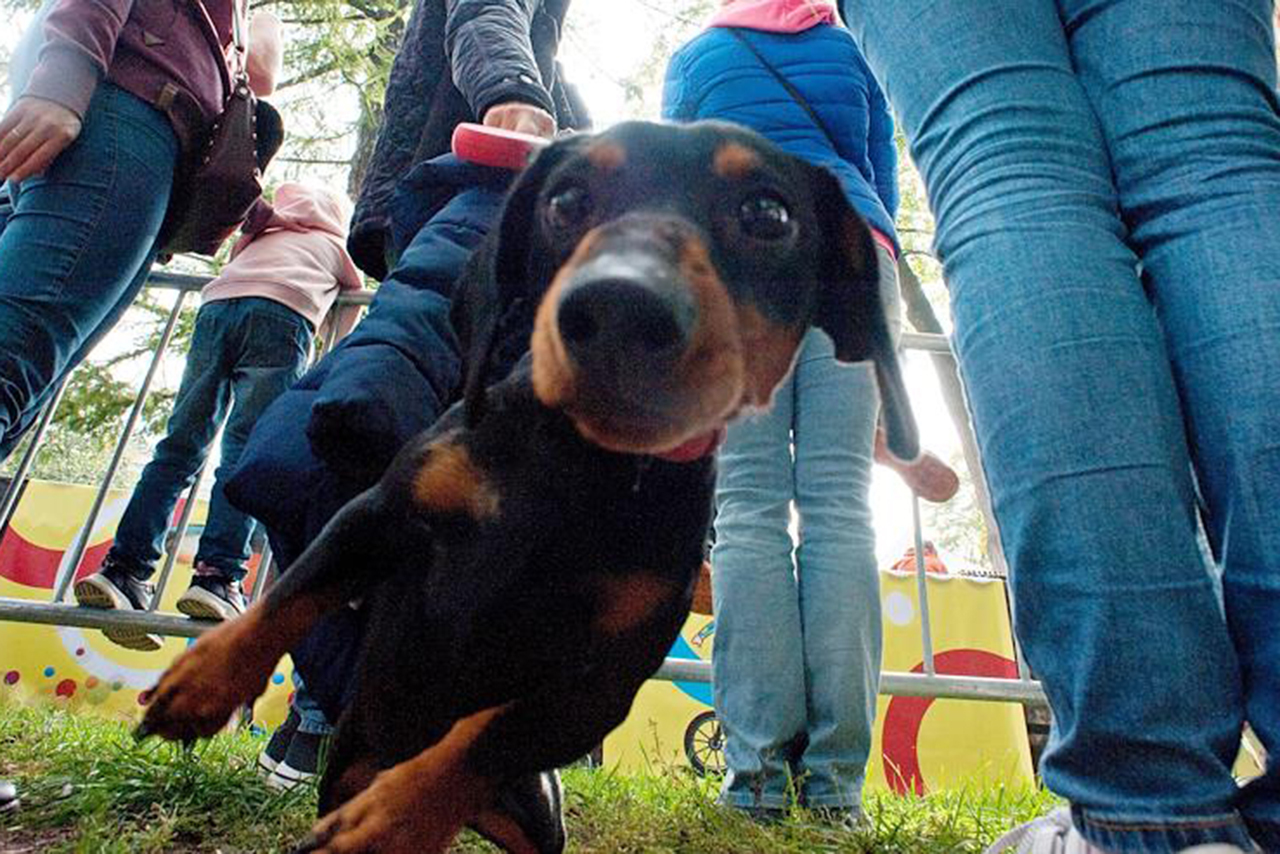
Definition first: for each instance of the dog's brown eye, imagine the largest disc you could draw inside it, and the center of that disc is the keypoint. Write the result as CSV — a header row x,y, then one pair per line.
x,y
765,217
569,207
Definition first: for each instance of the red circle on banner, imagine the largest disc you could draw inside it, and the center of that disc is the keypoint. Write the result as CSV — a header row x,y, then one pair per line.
x,y
902,720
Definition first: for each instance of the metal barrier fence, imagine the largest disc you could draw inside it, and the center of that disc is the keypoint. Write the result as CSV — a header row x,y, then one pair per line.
x,y
930,683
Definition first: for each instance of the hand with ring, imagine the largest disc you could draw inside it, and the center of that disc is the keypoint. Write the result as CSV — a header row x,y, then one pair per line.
x,y
32,134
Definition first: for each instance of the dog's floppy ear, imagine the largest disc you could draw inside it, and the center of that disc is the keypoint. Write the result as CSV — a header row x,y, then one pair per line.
x,y
851,311
502,282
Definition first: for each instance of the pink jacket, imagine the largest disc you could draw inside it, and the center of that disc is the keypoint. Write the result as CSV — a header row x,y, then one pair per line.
x,y
774,16
293,252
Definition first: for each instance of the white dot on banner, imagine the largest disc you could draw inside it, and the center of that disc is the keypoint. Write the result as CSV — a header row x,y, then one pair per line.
x,y
899,609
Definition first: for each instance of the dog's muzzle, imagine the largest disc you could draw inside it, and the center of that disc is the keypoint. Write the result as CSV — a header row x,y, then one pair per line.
x,y
625,316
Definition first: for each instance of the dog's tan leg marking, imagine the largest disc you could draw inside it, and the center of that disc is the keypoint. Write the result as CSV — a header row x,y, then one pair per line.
x,y
625,602
356,777
503,830
227,667
418,806
733,160
770,350
450,482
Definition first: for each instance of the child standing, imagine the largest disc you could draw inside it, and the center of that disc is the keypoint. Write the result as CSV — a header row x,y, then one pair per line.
x,y
252,341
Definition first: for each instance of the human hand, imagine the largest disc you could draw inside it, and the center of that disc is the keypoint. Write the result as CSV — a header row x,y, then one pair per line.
x,y
32,134
521,117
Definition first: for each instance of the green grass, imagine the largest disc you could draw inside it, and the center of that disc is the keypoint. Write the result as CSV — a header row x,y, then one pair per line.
x,y
87,787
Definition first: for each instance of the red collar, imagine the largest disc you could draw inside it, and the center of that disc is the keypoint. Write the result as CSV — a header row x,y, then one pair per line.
x,y
694,449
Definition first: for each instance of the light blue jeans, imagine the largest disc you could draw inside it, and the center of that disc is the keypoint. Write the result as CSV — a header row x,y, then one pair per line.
x,y
1105,176
796,665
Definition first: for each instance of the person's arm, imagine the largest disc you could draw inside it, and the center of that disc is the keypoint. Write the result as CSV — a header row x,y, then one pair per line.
x,y
491,56
349,282
881,147
79,41
265,54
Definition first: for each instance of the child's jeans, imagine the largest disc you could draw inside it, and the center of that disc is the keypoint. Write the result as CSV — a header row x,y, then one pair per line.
x,y
244,354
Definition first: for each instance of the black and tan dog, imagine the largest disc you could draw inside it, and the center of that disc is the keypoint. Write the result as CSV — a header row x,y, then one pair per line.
x,y
529,561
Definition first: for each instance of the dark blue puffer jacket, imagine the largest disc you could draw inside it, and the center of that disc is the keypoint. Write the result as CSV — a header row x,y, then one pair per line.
x,y
715,76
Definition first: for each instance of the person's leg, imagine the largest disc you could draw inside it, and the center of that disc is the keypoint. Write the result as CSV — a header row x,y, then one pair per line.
x,y
1194,135
77,248
300,758
122,579
835,418
757,663
272,347
198,409
1076,416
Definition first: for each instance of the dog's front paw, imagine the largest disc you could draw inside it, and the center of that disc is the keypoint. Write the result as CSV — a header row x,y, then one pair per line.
x,y
417,807
206,684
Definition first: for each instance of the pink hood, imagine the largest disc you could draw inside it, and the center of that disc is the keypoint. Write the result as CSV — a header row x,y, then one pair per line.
x,y
308,207
774,16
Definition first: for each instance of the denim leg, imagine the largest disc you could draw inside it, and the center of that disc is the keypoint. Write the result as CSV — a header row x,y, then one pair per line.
x,y
272,346
835,417
77,248
1194,135
313,719
1076,413
757,664
198,409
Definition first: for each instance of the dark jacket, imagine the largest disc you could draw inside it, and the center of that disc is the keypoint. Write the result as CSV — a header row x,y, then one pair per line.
x,y
166,52
458,58
716,76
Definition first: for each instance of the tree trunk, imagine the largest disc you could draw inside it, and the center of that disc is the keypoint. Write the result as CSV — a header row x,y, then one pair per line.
x,y
923,319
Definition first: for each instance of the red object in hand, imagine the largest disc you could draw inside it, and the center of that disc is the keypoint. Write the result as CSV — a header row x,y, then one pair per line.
x,y
505,149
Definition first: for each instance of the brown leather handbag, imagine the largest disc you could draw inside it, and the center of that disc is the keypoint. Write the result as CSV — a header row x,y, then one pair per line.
x,y
222,178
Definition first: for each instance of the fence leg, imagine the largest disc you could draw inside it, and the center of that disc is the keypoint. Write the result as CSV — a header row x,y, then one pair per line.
x,y
9,504
67,572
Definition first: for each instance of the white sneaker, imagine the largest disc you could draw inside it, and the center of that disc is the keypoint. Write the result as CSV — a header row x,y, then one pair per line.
x,y
1055,834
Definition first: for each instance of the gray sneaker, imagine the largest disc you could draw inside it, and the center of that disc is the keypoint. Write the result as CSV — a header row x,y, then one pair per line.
x,y
113,587
1055,834
212,597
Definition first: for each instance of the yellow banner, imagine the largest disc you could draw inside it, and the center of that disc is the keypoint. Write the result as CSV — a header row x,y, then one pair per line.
x,y
919,745
79,668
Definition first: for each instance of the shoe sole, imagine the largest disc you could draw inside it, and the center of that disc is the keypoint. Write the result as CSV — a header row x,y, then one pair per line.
x,y
94,592
285,732
200,604
284,778
266,765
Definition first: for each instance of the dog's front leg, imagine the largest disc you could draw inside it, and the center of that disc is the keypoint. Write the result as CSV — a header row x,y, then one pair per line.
x,y
230,665
416,807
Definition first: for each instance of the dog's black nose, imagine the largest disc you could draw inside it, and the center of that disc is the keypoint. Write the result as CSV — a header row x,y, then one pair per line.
x,y
615,315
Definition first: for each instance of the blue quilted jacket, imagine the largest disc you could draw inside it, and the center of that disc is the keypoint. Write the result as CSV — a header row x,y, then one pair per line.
x,y
715,76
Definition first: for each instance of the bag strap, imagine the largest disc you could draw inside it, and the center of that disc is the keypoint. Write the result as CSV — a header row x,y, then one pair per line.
x,y
231,77
786,84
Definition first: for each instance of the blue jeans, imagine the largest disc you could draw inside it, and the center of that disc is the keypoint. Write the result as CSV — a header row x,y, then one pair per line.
x,y
77,247
1105,176
796,665
245,352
